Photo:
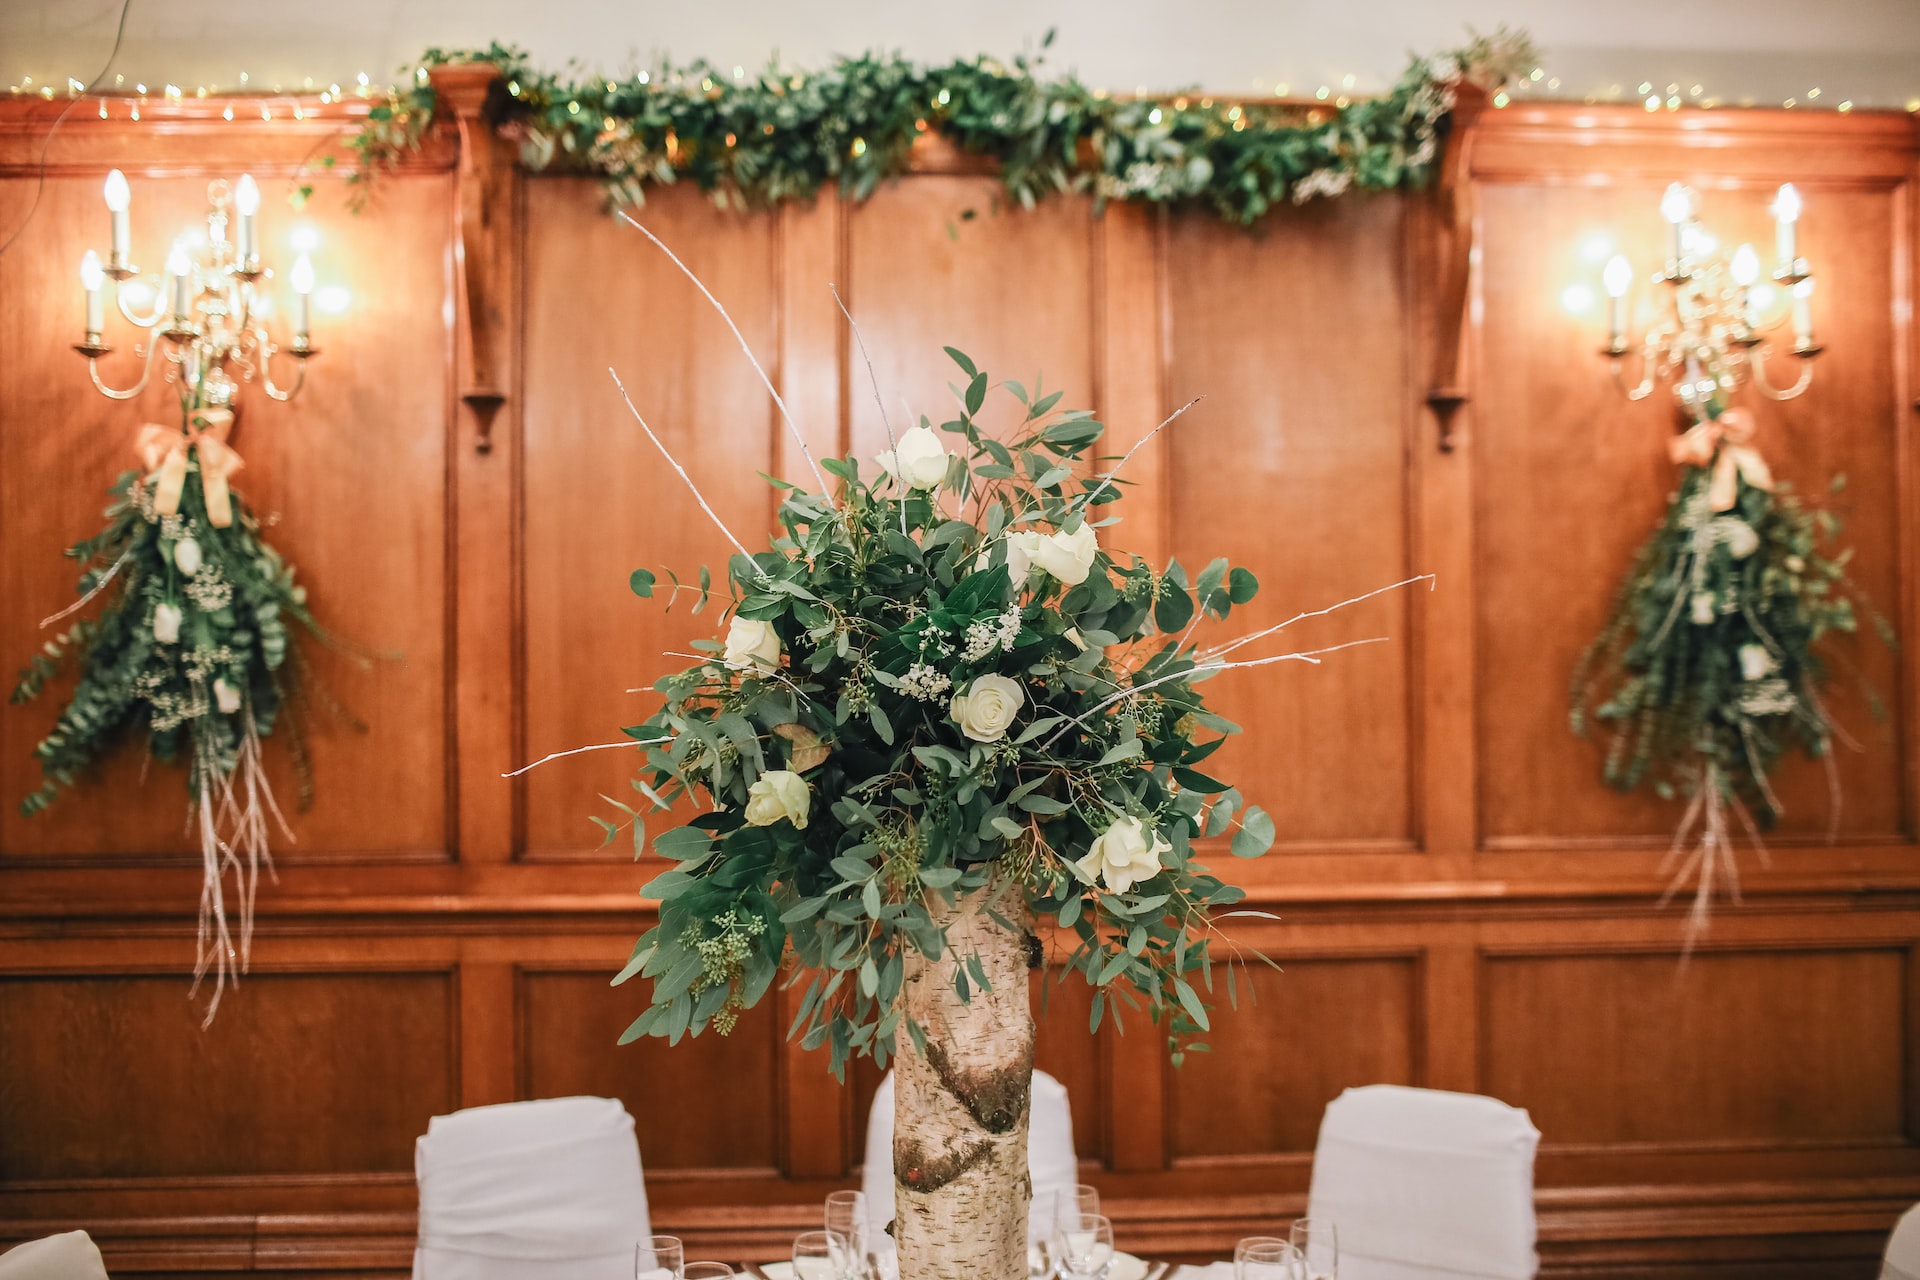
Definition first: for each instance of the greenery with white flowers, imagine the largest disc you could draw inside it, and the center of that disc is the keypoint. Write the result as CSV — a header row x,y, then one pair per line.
x,y
939,680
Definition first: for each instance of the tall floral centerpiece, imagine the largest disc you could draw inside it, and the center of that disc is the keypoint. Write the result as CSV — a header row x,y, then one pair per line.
x,y
947,724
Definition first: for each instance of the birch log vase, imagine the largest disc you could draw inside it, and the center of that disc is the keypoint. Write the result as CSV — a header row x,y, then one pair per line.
x,y
960,1110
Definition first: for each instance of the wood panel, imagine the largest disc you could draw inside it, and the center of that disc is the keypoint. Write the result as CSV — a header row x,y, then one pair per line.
x,y
350,478
600,500
1289,1049
110,1075
1461,903
1571,479
1295,465
568,1025
1746,1047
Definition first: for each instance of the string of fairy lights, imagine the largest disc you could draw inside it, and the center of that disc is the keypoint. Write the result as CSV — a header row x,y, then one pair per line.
x,y
1538,85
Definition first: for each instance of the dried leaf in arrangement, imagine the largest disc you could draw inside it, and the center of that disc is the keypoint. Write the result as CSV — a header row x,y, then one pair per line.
x,y
1711,665
192,655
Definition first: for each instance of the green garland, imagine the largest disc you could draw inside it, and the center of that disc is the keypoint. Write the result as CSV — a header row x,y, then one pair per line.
x,y
1709,667
780,135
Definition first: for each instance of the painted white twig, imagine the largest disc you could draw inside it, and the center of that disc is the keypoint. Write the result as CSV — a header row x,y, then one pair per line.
x,y
1086,504
598,746
81,603
1221,650
792,426
1208,668
699,497
874,378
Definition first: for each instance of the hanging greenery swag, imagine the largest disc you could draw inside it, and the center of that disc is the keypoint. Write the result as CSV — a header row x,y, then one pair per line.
x,y
757,140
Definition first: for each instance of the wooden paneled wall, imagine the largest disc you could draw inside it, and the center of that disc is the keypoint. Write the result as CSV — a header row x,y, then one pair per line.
x,y
1461,903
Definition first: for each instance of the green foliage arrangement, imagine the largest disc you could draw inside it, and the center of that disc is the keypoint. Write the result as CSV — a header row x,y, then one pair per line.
x,y
188,655
782,135
1709,667
939,682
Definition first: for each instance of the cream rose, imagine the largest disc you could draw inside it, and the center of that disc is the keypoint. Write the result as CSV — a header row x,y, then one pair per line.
x,y
225,696
166,623
1123,856
1066,556
186,556
918,459
988,706
1019,559
776,795
752,643
1755,662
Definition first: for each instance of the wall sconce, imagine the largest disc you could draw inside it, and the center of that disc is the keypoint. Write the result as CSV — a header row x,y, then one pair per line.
x,y
1710,338
203,305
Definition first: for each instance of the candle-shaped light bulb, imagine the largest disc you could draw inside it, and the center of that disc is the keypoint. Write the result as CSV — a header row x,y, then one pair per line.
x,y
1617,275
119,196
1803,313
302,299
91,278
180,271
246,203
1676,206
1746,272
1786,214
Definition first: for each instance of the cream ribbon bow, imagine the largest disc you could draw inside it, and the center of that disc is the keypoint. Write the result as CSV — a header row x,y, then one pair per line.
x,y
164,451
1725,444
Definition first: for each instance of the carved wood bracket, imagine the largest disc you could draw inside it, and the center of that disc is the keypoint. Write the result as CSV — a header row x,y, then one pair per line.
x,y
483,241
1454,225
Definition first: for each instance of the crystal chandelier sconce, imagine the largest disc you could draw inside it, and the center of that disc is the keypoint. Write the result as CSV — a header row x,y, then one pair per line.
x,y
205,309
1720,321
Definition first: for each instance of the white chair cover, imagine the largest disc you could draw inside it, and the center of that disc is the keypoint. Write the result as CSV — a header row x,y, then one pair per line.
x,y
1425,1185
530,1191
71,1255
1050,1159
1903,1248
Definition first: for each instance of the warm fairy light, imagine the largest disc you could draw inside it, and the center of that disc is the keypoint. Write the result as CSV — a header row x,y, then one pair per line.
x,y
119,194
1746,266
1676,206
1617,276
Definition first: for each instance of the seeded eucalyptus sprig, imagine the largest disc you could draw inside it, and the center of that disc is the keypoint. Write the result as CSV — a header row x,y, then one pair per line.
x,y
936,681
757,140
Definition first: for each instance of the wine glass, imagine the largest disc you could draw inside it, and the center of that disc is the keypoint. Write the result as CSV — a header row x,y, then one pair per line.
x,y
659,1258
847,1215
1266,1258
707,1271
1082,1244
1318,1245
820,1255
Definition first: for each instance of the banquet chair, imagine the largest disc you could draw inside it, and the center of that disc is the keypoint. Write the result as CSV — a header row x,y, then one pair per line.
x,y
1425,1185
1051,1163
1902,1261
71,1255
527,1190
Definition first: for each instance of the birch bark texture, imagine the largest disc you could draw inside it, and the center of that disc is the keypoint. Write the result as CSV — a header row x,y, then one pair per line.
x,y
961,1187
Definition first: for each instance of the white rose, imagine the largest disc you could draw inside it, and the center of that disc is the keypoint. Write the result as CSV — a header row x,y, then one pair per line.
x,y
1019,559
166,623
1703,609
988,706
917,458
1755,662
776,795
1067,556
225,696
752,643
1123,857
186,555
1742,541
